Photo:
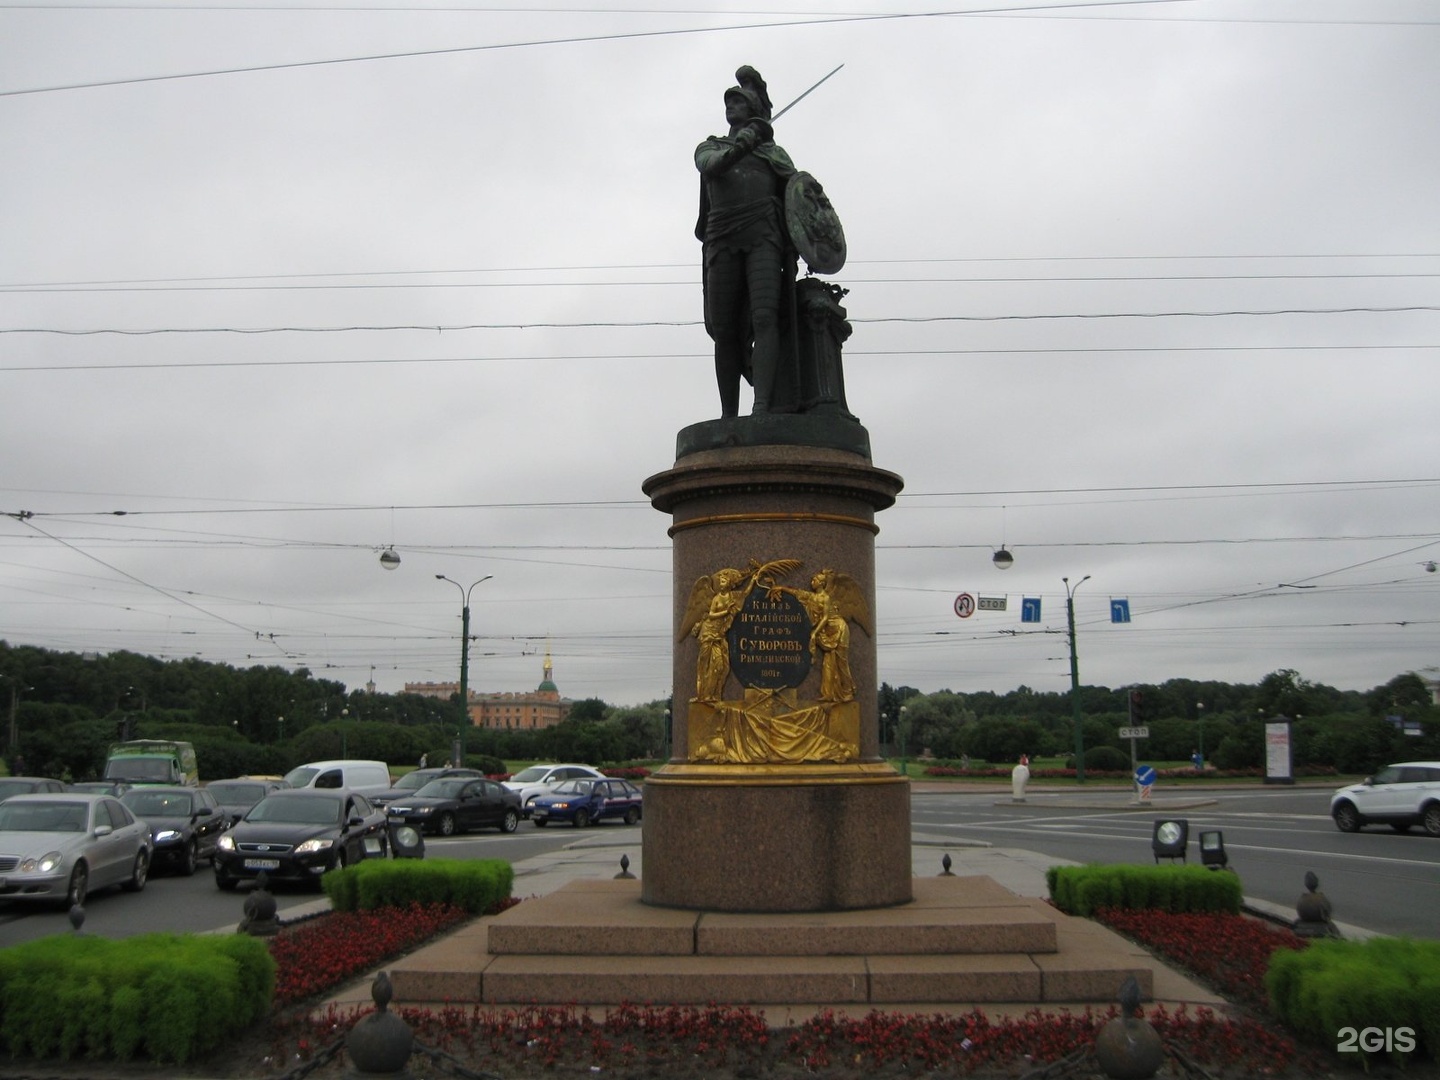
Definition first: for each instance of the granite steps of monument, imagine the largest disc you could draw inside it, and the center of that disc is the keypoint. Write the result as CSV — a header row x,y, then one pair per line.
x,y
961,941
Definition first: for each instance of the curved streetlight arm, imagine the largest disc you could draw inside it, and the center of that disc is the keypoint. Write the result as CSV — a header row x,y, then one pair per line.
x,y
464,654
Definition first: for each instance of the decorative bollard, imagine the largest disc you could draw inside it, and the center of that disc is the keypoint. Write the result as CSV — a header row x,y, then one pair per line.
x,y
625,873
380,1043
259,919
77,917
1313,909
1019,777
945,865
1128,1047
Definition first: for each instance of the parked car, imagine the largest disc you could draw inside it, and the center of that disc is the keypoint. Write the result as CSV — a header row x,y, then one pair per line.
x,y
185,824
297,835
60,847
413,781
455,804
28,785
100,787
541,779
585,802
369,778
1400,796
237,795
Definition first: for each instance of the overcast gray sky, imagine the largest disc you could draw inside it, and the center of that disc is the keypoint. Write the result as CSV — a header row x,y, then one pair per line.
x,y
1144,291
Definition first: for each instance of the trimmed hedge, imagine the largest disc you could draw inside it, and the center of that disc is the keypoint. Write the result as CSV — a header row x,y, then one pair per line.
x,y
1383,983
475,885
154,995
1083,890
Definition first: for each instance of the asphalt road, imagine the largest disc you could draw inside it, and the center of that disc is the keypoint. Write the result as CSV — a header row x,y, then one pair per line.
x,y
1376,879
194,905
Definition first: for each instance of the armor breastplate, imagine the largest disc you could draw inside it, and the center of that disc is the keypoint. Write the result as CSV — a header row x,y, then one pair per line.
x,y
749,180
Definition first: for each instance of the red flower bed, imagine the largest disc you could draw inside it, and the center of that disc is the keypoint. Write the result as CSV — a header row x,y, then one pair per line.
x,y
738,1041
1231,952
317,955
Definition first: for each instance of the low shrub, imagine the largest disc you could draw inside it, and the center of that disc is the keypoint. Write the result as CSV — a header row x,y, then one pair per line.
x,y
153,995
1335,986
473,885
1083,890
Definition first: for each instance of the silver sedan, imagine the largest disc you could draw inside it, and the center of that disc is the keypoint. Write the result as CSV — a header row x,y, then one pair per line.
x,y
58,848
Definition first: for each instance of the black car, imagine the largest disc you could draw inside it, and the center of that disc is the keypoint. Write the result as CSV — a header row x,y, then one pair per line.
x,y
296,835
414,780
184,822
457,804
235,797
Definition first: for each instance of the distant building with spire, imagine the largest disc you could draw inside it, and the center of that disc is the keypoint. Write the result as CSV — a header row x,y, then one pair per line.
x,y
542,707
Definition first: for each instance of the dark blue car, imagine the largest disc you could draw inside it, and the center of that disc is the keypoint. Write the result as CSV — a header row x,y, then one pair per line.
x,y
585,802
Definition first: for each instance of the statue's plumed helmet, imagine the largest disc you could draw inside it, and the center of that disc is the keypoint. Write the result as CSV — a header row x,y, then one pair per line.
x,y
752,89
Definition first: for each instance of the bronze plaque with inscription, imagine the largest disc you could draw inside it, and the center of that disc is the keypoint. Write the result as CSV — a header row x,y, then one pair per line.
x,y
770,641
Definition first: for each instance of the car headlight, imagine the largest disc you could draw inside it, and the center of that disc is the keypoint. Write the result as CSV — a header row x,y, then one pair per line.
x,y
560,806
45,864
226,842
421,811
309,847
167,836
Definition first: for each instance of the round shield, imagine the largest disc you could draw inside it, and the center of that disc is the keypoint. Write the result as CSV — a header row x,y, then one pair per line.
x,y
813,225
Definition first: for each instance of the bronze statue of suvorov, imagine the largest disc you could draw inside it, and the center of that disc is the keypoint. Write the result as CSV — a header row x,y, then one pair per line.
x,y
756,213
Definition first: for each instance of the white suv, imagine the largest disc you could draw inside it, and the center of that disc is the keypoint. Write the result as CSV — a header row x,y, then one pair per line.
x,y
539,779
1398,795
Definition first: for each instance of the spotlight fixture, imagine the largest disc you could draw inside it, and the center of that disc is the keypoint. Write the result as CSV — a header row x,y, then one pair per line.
x,y
390,558
406,841
1169,839
1212,850
1002,559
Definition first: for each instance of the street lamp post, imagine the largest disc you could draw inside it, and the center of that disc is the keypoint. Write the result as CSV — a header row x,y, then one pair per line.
x,y
464,654
1075,678
16,689
1200,721
904,736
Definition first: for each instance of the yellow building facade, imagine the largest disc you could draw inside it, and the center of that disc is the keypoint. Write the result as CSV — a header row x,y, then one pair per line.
x,y
542,707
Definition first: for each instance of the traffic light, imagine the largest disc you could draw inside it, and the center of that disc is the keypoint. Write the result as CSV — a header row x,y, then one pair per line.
x,y
1138,711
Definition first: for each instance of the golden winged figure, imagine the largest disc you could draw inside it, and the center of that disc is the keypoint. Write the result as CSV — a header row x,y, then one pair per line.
x,y
833,601
715,600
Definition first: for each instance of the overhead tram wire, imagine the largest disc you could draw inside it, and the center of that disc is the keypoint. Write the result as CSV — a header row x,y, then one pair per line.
x,y
578,39
1277,487
688,265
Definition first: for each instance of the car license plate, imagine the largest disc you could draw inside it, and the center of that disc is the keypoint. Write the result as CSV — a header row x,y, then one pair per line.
x,y
539,814
262,864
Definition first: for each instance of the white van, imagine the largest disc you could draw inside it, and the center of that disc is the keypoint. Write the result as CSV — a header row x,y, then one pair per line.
x,y
369,778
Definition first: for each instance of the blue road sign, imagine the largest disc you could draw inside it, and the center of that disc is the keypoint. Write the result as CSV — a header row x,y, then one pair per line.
x,y
1119,610
1030,609
1145,775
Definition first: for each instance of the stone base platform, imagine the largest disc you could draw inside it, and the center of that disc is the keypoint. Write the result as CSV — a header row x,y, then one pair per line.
x,y
963,940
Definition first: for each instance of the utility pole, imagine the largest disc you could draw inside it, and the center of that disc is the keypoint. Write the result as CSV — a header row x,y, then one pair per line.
x,y
1075,678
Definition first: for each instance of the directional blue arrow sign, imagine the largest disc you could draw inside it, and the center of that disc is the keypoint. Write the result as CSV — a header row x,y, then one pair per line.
x,y
1145,775
1119,611
1030,609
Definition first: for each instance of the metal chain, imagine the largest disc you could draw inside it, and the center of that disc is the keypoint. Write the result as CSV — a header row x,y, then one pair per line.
x,y
451,1064
1070,1065
325,1055
1191,1068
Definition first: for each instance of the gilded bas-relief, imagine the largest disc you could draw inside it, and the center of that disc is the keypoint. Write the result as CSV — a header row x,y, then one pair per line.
x,y
767,637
